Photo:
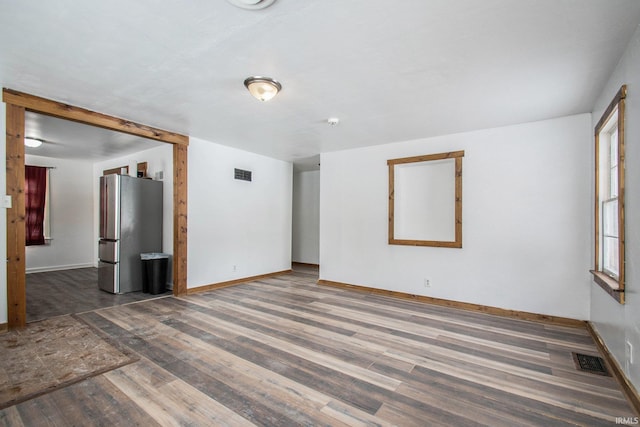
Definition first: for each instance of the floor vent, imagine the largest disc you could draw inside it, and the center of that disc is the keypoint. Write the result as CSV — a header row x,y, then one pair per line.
x,y
592,364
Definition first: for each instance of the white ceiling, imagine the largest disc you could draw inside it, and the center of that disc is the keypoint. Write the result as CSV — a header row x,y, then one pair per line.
x,y
70,140
390,70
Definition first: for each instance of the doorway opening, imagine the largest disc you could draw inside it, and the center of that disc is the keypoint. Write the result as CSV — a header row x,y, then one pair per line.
x,y
62,272
17,104
305,233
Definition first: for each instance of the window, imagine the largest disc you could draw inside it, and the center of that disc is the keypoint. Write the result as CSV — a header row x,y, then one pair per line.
x,y
36,212
609,198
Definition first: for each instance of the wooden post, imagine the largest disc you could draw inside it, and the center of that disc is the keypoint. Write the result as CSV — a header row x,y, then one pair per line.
x,y
180,219
16,282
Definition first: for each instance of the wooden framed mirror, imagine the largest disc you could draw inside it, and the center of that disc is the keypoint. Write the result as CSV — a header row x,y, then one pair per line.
x,y
425,200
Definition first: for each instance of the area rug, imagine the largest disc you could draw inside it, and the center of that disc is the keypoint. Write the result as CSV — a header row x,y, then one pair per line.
x,y
51,354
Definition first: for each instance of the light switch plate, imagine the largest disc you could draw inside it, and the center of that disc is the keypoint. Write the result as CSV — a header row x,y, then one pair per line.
x,y
6,202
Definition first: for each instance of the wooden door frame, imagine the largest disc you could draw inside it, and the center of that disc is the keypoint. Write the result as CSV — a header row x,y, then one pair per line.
x,y
17,103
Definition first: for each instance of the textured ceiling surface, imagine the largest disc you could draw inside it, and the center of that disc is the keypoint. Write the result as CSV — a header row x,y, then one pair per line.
x,y
75,141
391,71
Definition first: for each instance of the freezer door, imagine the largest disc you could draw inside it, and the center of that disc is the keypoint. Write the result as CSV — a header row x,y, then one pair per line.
x,y
108,250
108,275
110,207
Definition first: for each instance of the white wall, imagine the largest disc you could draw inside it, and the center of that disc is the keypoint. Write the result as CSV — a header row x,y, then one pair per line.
x,y
306,217
71,215
236,223
526,204
159,159
620,323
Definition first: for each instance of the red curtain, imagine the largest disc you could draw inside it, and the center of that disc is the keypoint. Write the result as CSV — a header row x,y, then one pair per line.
x,y
35,178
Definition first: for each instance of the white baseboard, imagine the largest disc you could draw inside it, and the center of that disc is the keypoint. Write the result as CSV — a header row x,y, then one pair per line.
x,y
57,268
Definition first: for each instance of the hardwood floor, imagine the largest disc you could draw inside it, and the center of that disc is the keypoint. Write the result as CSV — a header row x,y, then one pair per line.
x,y
55,293
284,351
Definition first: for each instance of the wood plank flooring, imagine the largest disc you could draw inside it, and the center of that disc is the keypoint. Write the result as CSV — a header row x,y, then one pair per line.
x,y
284,351
55,293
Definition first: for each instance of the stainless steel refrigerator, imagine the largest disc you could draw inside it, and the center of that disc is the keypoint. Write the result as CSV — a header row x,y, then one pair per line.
x,y
130,224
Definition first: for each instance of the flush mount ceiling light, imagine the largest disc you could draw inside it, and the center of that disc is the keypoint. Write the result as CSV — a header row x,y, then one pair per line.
x,y
252,4
33,142
262,88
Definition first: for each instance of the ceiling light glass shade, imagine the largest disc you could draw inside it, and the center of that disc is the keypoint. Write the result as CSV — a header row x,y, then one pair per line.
x,y
251,4
262,88
32,142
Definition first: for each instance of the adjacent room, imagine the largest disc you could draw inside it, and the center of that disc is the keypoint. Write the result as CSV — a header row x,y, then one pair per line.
x,y
361,213
62,267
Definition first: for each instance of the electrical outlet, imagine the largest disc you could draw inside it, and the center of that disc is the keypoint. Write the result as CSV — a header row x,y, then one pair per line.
x,y
427,283
630,352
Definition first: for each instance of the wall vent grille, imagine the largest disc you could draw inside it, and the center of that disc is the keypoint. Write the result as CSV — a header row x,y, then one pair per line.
x,y
242,175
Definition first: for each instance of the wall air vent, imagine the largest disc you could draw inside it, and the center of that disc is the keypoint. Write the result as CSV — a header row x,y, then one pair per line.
x,y
242,175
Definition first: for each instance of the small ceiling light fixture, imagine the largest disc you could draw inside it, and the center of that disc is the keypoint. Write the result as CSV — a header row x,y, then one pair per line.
x,y
251,4
262,88
333,121
33,142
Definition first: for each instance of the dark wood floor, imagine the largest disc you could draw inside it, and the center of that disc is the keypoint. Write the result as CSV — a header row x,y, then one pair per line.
x,y
284,351
55,293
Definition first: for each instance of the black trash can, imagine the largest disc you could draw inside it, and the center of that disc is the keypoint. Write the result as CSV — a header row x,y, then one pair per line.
x,y
154,272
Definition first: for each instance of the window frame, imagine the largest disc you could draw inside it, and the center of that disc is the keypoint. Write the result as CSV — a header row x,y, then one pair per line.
x,y
612,285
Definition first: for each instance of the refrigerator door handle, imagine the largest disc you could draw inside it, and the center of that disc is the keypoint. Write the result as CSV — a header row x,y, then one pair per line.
x,y
109,207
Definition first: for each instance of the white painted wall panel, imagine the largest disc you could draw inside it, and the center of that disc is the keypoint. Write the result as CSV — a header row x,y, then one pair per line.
x,y
526,204
425,201
71,215
237,229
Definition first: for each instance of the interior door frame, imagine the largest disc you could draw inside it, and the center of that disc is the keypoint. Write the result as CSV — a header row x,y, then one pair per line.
x,y
17,103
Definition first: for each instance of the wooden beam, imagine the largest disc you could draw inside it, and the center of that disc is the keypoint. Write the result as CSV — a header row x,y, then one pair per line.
x,y
458,202
180,220
621,192
16,281
426,158
77,114
392,196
